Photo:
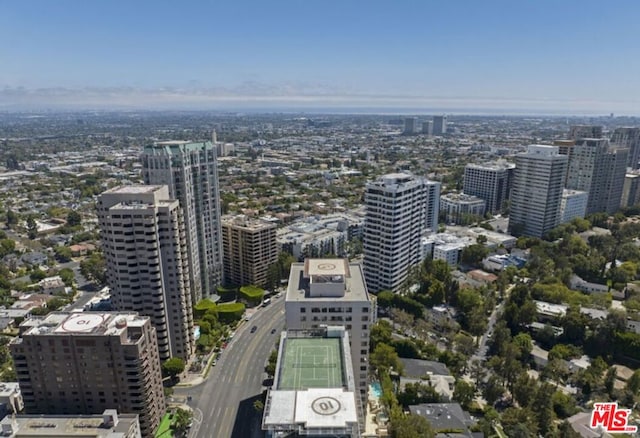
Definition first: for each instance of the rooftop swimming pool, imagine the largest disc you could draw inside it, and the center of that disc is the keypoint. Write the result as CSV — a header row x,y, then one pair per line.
x,y
375,389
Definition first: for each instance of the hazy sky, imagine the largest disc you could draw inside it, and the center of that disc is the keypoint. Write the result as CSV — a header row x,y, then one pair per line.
x,y
562,54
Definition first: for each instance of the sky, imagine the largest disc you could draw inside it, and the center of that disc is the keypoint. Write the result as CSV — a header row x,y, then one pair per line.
x,y
449,55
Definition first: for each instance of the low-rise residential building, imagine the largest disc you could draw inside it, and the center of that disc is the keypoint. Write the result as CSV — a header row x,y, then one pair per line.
x,y
52,285
442,317
549,311
462,209
446,246
498,262
445,417
577,283
426,372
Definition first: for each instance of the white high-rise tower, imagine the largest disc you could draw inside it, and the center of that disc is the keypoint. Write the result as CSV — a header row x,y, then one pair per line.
x,y
401,208
536,196
190,170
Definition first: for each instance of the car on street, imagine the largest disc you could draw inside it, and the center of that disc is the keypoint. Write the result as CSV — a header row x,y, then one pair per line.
x,y
254,328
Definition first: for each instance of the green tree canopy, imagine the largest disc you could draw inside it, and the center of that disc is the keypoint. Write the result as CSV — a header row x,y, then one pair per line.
x,y
173,367
411,426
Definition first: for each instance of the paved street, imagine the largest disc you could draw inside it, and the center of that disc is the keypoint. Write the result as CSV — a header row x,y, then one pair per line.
x,y
223,404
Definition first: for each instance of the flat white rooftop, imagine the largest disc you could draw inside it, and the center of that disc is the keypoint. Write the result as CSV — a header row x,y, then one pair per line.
x,y
134,189
355,287
314,408
315,267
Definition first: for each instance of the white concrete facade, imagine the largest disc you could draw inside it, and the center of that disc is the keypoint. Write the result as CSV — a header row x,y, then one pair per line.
x,y
573,205
337,298
190,171
460,208
400,209
537,191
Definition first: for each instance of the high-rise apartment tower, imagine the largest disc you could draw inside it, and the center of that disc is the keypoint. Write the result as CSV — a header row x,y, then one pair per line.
x,y
144,245
400,209
537,191
628,138
84,363
439,125
250,248
491,182
190,171
599,169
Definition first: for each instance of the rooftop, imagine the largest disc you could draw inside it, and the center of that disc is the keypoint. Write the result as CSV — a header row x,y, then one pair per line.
x,y
349,275
420,368
67,425
313,391
311,363
133,189
85,323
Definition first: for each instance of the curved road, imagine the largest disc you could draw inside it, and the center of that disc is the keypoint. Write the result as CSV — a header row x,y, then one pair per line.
x,y
223,404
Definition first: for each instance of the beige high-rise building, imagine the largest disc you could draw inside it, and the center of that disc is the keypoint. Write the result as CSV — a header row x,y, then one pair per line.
x,y
144,244
249,248
84,363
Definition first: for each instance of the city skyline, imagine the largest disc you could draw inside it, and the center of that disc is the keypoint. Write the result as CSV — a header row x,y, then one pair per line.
x,y
450,56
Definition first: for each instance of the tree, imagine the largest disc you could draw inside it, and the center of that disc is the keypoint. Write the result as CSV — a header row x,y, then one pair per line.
x,y
32,227
464,344
173,367
411,426
384,357
270,368
37,275
633,384
258,405
473,254
463,393
74,218
609,380
181,421
67,276
12,219
416,393
7,246
380,334
493,390
63,253
93,268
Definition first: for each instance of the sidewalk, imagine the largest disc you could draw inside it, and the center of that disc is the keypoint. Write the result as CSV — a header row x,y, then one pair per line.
x,y
188,378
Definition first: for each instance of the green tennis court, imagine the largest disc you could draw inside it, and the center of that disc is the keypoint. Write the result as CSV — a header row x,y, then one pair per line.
x,y
311,363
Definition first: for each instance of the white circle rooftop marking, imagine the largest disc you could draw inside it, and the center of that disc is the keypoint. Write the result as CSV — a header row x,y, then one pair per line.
x,y
82,323
325,406
326,266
